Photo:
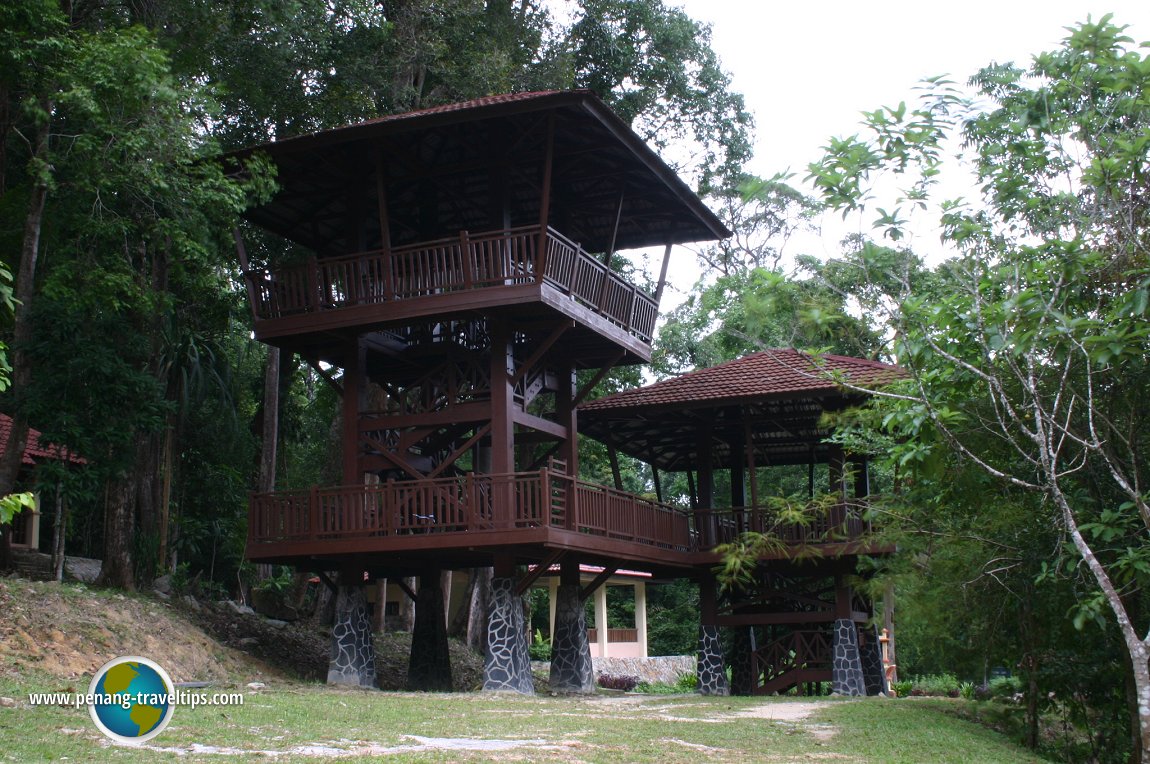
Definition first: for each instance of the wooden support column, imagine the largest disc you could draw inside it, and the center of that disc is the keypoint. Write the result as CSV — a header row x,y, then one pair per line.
x,y
381,204
545,199
706,487
352,391
502,421
658,484
738,492
749,453
569,448
836,468
862,477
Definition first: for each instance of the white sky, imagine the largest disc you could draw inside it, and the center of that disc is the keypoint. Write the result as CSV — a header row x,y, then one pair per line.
x,y
807,69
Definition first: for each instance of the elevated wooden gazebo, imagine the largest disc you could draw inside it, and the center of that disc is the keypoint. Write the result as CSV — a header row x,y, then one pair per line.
x,y
750,417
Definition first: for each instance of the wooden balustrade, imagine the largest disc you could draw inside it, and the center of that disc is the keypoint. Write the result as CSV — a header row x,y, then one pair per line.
x,y
466,262
614,635
462,504
840,522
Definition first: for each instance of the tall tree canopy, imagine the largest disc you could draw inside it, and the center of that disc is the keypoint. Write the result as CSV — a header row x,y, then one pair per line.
x,y
1030,357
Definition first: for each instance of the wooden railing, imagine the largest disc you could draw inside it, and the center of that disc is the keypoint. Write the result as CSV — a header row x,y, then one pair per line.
x,y
614,635
464,504
840,522
465,262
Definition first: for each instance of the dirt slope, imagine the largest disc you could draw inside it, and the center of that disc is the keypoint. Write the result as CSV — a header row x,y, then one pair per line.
x,y
70,630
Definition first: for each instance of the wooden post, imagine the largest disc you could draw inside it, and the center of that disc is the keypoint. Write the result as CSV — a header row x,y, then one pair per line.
x,y
352,390
502,423
545,200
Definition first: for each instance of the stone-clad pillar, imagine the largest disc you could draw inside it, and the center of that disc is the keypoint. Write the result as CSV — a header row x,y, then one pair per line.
x,y
429,668
571,669
352,659
711,672
870,652
507,667
846,670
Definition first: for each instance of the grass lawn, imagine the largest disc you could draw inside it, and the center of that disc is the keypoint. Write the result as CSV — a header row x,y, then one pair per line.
x,y
301,722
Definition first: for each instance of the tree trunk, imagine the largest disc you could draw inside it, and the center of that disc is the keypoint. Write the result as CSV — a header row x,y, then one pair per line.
x,y
269,437
480,600
59,528
116,569
457,626
13,456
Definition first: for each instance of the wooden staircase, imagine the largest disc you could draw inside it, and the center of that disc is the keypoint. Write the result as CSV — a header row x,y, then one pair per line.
x,y
796,659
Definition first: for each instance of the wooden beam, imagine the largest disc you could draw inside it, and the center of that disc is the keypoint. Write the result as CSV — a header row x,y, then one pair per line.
x,y
663,274
245,269
615,229
533,573
540,351
658,485
613,457
587,388
482,431
403,587
325,376
539,423
322,575
381,198
598,581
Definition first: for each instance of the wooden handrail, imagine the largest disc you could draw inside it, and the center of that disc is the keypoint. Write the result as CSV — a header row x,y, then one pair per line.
x,y
462,504
466,261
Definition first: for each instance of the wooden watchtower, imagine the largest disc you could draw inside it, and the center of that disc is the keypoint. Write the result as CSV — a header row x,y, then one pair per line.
x,y
450,273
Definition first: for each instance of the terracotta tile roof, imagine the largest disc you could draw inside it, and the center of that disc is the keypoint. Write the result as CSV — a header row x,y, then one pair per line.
x,y
35,450
474,103
764,374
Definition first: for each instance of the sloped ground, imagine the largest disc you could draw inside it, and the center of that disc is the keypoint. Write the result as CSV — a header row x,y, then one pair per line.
x,y
70,630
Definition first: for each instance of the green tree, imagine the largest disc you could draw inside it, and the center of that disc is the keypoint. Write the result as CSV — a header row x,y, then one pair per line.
x,y
1032,358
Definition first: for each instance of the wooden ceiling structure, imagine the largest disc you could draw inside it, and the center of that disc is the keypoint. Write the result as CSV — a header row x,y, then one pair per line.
x,y
502,161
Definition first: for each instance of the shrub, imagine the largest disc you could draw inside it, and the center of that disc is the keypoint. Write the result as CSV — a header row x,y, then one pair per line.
x,y
540,648
618,682
903,688
982,692
1005,687
687,682
966,690
939,685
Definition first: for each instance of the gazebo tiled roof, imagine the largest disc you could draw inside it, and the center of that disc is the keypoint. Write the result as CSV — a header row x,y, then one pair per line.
x,y
767,373
773,400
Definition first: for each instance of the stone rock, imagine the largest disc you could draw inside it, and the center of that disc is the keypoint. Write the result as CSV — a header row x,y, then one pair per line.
x,y
276,623
81,569
238,608
256,685
163,585
271,603
248,641
7,702
190,601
